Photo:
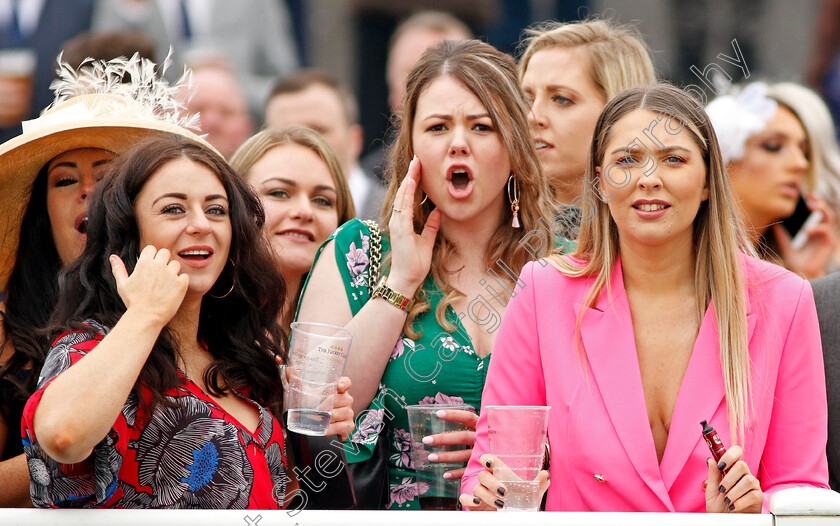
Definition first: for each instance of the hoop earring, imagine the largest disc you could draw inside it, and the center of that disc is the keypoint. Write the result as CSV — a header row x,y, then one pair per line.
x,y
513,197
232,285
425,198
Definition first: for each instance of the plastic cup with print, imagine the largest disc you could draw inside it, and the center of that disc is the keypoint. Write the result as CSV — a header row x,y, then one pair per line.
x,y
317,355
517,436
435,492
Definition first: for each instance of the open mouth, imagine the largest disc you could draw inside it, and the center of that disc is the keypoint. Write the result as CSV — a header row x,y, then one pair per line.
x,y
460,179
82,226
195,255
540,145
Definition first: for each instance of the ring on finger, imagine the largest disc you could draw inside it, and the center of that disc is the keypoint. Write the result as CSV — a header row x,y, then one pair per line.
x,y
397,209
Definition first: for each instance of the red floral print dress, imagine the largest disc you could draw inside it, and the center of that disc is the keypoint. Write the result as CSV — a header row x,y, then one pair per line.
x,y
192,455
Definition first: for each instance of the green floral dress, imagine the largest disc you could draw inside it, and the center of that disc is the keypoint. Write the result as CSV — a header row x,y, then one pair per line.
x,y
438,368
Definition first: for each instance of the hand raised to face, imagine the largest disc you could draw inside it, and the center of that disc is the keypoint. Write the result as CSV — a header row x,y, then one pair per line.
x,y
411,253
155,287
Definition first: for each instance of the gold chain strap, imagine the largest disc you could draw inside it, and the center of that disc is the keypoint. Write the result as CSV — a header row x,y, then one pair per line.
x,y
375,254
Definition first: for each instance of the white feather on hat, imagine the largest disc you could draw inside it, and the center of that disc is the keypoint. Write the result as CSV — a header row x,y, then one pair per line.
x,y
104,104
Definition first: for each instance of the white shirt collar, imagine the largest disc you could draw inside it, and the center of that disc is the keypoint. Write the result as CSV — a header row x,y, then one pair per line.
x,y
359,187
29,12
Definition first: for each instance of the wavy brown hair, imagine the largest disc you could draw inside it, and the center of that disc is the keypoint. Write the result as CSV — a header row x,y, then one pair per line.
x,y
491,76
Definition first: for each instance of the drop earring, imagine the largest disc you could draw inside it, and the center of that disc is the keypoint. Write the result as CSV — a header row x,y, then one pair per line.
x,y
232,285
513,197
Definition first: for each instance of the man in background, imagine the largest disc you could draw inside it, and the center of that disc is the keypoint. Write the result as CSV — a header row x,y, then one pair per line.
x,y
408,43
223,110
31,34
254,37
316,99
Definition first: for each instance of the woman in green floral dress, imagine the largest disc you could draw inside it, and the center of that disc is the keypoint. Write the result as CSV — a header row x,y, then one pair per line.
x,y
464,173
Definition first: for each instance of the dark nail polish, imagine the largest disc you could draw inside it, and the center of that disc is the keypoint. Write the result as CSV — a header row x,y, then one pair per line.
x,y
727,501
500,503
722,489
707,460
476,500
501,491
731,507
489,463
722,465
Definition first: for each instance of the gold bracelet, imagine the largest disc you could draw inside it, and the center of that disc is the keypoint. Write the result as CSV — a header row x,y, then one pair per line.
x,y
391,296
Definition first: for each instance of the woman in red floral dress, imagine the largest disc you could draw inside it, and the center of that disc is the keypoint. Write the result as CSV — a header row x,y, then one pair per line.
x,y
161,390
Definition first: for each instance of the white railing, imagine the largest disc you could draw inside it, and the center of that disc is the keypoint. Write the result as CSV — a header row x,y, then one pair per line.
x,y
806,507
793,507
19,517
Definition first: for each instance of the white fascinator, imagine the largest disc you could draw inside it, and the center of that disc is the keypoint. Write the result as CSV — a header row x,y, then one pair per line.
x,y
738,115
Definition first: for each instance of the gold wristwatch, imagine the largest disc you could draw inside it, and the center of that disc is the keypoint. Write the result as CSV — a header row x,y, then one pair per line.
x,y
391,296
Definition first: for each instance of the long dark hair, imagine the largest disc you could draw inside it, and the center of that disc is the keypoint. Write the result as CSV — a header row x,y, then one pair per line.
x,y
31,295
240,329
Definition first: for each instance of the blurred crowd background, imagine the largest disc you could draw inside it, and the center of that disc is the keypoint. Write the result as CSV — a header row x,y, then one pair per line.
x,y
264,40
778,37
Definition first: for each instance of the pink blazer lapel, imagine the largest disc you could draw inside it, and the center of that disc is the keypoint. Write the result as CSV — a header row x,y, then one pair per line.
x,y
701,396
610,346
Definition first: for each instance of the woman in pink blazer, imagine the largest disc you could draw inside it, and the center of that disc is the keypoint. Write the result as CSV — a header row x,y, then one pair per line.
x,y
658,321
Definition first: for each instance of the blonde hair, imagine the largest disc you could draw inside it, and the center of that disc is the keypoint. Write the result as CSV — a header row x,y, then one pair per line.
x,y
824,171
491,76
618,56
254,148
718,237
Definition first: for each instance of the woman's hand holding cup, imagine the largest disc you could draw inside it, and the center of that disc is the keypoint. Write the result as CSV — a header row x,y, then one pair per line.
x,y
489,493
341,419
452,438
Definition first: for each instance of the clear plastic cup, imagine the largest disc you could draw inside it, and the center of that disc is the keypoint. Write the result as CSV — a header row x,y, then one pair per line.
x,y
317,355
435,492
517,436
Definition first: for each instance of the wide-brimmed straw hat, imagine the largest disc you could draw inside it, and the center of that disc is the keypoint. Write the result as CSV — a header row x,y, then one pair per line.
x,y
121,102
